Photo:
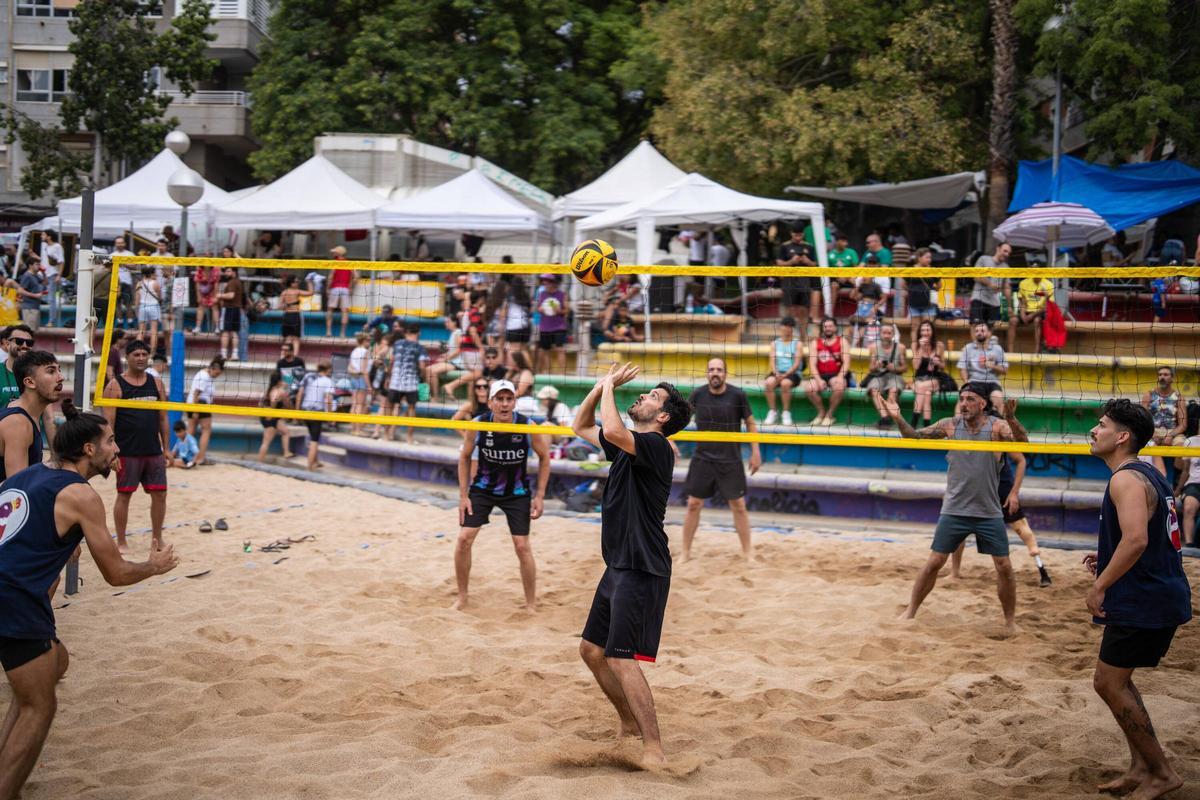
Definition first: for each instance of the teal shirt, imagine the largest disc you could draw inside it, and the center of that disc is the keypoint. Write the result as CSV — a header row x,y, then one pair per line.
x,y
844,258
9,389
884,255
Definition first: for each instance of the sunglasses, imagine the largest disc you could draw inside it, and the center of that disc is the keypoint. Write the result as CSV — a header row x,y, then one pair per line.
x,y
21,342
481,386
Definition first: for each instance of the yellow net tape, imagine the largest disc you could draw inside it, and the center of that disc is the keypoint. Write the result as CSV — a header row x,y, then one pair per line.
x,y
1052,448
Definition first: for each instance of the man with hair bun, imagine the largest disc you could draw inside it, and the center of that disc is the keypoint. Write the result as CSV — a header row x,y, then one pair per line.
x,y
1141,593
46,511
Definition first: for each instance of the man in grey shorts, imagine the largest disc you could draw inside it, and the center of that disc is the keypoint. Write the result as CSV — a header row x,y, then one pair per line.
x,y
971,503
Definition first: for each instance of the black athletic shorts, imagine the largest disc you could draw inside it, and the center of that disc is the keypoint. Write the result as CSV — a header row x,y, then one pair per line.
x,y
1192,490
314,429
516,508
1004,489
706,478
985,312
519,336
231,320
1130,648
19,652
627,614
550,339
200,414
292,324
411,398
799,290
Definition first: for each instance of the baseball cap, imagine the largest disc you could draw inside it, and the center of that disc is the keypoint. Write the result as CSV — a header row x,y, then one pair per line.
x,y
500,386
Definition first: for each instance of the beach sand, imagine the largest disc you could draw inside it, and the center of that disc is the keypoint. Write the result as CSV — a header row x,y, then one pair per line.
x,y
341,672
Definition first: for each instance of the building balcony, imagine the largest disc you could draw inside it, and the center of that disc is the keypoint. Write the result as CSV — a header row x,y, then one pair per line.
x,y
214,115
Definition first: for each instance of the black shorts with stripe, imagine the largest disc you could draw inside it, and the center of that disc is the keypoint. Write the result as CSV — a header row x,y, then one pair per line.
x,y
627,613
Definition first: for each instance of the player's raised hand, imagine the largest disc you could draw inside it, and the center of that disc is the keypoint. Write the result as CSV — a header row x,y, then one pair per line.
x,y
623,374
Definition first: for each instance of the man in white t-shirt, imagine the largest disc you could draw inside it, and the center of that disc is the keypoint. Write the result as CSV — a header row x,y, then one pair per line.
x,y
1187,489
204,391
52,258
315,394
697,247
125,281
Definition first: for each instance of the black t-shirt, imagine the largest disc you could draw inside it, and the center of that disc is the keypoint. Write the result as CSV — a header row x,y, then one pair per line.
x,y
719,412
790,249
635,503
293,370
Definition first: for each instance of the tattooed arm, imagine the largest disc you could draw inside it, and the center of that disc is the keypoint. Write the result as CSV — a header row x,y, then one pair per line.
x,y
942,429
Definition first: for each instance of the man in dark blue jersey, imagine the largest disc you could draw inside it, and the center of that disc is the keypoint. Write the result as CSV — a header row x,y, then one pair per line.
x,y
500,482
625,622
41,384
1141,594
45,512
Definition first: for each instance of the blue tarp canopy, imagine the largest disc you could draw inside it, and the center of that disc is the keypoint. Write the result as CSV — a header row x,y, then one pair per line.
x,y
1124,195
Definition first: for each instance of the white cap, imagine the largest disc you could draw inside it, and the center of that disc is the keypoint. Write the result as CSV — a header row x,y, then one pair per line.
x,y
500,386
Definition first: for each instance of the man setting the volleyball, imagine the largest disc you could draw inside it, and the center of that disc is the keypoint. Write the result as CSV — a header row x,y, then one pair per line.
x,y
972,500
625,621
500,482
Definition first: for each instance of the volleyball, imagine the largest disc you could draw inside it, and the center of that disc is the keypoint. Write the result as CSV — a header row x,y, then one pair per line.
x,y
594,262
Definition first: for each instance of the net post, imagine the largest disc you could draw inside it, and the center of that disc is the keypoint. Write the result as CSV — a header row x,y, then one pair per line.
x,y
645,254
178,378
84,320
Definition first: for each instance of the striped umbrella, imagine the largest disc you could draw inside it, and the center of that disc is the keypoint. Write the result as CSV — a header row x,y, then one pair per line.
x,y
1054,225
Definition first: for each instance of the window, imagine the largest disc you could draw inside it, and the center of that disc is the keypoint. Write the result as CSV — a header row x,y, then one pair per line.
x,y
154,78
3,72
41,85
44,8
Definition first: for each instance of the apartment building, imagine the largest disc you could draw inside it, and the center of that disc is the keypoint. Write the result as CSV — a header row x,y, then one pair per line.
x,y
34,64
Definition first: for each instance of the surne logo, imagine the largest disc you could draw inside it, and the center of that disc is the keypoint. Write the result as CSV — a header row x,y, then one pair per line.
x,y
502,455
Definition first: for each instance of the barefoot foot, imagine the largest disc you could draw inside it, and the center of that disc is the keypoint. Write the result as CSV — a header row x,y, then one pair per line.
x,y
1156,786
1126,783
460,604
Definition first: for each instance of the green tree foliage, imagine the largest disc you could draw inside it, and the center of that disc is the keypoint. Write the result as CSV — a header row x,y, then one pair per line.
x,y
50,167
1132,66
774,92
534,85
115,46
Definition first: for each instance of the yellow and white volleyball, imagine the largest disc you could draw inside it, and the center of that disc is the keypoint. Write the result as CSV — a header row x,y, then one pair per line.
x,y
594,262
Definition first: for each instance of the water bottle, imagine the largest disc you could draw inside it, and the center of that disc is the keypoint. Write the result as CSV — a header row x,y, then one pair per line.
x,y
689,305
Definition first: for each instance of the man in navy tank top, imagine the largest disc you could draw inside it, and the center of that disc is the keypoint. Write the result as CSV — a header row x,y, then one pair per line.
x,y
45,512
500,482
37,372
1141,593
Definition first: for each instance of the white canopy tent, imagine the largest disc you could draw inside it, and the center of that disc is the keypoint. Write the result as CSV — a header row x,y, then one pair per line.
x,y
139,203
642,171
472,203
315,196
943,191
697,200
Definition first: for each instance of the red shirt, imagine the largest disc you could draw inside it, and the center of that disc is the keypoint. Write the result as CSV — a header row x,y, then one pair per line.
x,y
341,279
829,357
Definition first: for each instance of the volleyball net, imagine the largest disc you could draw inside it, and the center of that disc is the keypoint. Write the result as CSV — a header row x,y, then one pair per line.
x,y
421,341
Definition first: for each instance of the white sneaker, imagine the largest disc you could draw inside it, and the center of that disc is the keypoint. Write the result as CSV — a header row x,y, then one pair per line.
x,y
772,418
827,421
787,418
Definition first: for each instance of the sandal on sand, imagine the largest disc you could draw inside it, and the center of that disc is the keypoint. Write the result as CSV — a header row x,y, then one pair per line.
x,y
206,527
222,525
306,538
274,547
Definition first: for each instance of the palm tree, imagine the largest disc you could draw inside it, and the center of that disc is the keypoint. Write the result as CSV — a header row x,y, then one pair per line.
x,y
1004,101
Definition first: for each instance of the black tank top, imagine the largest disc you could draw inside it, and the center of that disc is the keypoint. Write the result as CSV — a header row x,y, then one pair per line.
x,y
502,459
136,430
35,447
